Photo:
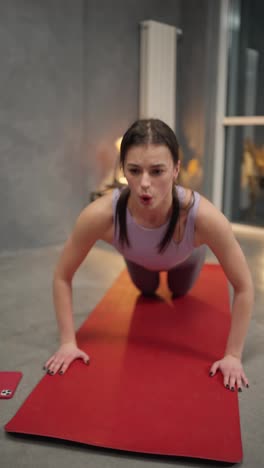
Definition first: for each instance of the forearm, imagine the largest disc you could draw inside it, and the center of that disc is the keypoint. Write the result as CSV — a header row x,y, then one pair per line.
x,y
241,314
62,297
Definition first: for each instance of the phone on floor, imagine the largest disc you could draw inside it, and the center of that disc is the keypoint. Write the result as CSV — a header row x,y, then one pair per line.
x,y
8,383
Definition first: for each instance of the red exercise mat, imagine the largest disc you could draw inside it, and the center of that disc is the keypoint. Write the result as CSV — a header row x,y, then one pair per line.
x,y
147,387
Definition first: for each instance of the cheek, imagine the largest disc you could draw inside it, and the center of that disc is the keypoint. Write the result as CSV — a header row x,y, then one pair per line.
x,y
130,179
166,185
167,181
162,188
126,174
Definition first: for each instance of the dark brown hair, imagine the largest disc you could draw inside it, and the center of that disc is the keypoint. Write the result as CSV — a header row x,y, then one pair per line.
x,y
145,132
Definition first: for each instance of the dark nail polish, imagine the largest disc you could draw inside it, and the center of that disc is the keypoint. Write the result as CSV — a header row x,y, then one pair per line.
x,y
247,385
61,372
227,386
232,389
240,389
211,374
44,368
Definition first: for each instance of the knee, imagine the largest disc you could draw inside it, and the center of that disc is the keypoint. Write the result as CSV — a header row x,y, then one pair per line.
x,y
176,293
148,293
147,290
179,289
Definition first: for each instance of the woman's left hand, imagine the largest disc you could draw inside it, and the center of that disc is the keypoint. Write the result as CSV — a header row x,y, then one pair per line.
x,y
232,370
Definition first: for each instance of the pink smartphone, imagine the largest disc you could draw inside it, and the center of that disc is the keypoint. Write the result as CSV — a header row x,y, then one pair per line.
x,y
8,383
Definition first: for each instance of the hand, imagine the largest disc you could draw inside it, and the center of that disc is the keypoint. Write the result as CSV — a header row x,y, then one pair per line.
x,y
61,360
232,370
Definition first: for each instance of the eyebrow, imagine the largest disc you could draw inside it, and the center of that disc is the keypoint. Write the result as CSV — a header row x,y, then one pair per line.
x,y
152,165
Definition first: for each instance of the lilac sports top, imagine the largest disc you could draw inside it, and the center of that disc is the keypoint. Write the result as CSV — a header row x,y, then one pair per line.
x,y
143,248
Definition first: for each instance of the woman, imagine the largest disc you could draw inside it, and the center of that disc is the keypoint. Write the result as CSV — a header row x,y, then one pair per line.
x,y
156,226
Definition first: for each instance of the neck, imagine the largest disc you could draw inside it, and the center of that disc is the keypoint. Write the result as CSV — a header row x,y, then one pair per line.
x,y
150,217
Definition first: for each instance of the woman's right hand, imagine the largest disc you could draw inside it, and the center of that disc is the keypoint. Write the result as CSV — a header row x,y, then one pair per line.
x,y
62,359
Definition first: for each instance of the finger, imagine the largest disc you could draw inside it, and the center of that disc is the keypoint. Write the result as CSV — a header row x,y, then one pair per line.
x,y
239,384
63,368
232,383
50,368
55,366
48,363
244,379
226,381
86,358
66,364
214,369
245,382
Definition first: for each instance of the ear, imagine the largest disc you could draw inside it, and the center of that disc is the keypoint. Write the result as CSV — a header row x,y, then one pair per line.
x,y
176,170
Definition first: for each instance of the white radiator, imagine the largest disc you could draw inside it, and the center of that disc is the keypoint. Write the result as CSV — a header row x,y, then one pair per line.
x,y
158,52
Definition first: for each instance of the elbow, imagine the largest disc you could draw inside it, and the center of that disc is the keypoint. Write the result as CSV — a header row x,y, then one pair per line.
x,y
60,276
246,291
250,289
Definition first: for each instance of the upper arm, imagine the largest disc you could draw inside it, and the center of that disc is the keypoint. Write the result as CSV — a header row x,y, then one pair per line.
x,y
91,224
214,230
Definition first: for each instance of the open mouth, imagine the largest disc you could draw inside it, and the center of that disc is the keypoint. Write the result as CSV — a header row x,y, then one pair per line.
x,y
146,199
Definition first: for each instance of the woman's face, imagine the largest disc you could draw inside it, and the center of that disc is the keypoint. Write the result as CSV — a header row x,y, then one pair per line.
x,y
150,172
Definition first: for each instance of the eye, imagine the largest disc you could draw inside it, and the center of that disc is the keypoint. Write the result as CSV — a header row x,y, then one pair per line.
x,y
156,172
134,171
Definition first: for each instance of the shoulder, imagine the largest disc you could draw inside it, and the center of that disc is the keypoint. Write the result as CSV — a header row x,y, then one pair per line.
x,y
95,217
209,219
90,226
212,227
186,198
102,205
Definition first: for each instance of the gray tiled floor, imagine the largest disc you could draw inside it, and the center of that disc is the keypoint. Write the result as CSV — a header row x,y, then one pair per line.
x,y
28,335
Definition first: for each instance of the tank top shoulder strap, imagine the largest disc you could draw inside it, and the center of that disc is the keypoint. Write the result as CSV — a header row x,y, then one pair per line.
x,y
115,195
192,213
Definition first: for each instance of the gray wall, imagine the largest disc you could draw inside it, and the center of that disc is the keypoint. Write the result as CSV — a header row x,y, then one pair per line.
x,y
69,87
41,177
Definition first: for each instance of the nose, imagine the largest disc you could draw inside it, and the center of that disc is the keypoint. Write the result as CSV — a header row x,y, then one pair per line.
x,y
145,180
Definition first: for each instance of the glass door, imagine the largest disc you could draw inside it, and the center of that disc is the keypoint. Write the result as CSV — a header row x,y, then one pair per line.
x,y
239,188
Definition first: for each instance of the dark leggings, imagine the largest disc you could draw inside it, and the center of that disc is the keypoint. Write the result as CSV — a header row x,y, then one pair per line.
x,y
180,278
